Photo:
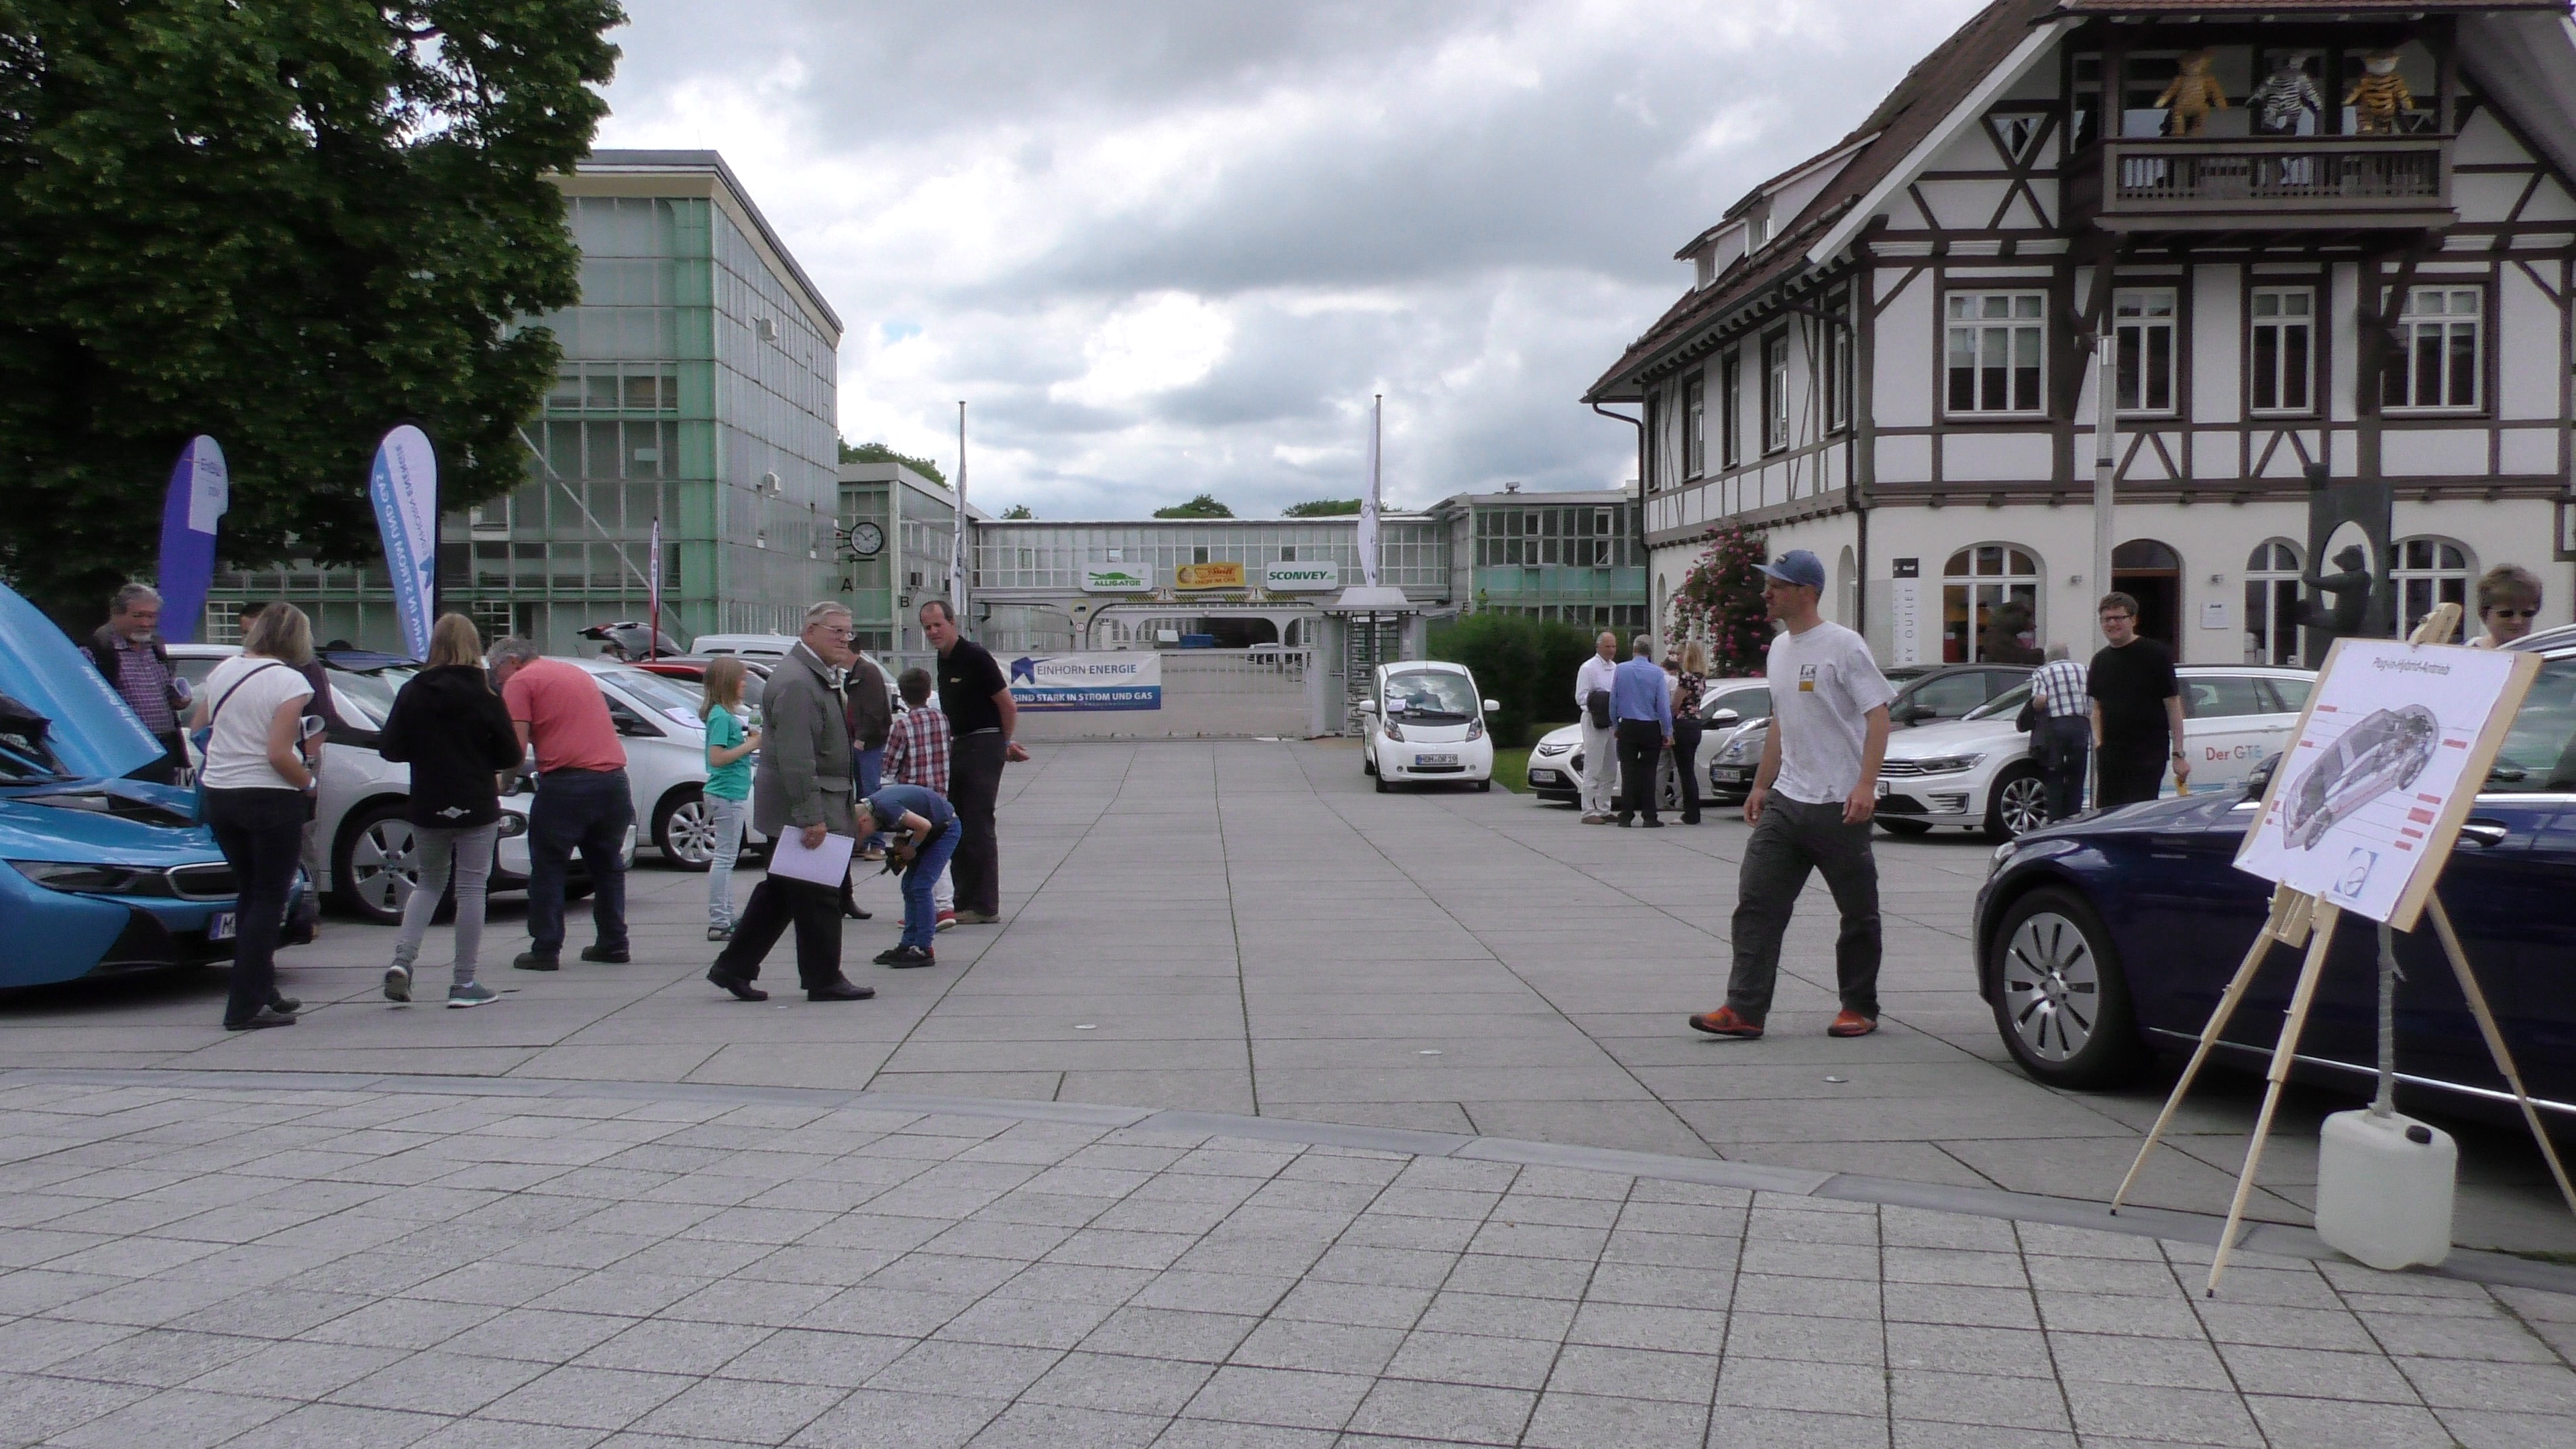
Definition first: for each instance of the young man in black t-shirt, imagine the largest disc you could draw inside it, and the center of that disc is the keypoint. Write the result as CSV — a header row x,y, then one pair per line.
x,y
2137,711
982,716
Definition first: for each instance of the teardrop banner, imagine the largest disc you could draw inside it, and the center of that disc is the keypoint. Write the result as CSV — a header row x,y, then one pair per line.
x,y
404,487
200,493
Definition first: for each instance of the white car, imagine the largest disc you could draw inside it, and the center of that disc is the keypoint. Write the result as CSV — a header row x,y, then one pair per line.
x,y
666,761
1977,772
1728,707
1426,724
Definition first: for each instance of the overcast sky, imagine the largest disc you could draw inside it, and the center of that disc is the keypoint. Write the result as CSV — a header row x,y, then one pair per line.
x,y
1167,248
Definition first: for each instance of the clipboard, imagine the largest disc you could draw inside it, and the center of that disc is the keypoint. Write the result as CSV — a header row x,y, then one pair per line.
x,y
824,865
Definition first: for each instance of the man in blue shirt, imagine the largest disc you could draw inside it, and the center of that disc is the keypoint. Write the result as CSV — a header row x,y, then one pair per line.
x,y
1641,700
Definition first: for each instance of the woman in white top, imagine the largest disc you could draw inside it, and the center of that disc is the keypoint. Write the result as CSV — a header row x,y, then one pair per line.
x,y
258,778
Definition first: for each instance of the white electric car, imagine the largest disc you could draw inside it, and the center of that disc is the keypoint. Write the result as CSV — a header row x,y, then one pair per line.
x,y
1426,725
1727,707
1977,772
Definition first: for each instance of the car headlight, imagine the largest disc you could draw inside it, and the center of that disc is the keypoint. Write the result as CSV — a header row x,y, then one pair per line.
x,y
1395,731
513,825
1475,729
94,880
1948,764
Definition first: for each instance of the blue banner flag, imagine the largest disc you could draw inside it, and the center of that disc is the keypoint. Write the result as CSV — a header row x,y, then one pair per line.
x,y
404,488
200,492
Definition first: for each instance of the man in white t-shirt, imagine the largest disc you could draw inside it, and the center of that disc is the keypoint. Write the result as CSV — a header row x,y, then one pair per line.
x,y
1811,806
1600,728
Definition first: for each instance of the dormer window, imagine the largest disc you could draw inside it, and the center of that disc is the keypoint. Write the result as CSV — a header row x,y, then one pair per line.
x,y
1704,265
1757,227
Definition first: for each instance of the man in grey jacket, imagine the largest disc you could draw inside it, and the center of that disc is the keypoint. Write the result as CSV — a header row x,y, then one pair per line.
x,y
801,784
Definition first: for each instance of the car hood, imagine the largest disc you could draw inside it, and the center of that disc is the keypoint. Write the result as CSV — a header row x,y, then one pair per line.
x,y
103,822
94,732
1562,739
1950,737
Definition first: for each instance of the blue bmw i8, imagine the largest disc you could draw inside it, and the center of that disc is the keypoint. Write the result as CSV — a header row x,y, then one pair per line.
x,y
2105,938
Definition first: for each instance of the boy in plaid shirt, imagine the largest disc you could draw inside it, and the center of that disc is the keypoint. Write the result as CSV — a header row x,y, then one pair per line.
x,y
917,754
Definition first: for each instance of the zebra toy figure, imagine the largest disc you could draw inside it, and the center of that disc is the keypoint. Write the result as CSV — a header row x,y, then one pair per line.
x,y
2284,94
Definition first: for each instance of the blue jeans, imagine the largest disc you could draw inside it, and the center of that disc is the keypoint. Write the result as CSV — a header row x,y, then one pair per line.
x,y
728,817
920,913
589,811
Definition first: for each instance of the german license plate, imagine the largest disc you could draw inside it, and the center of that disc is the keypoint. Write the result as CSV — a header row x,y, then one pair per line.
x,y
1732,773
220,926
1435,759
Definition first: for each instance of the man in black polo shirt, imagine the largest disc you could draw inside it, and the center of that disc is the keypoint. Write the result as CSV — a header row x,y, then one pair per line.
x,y
2137,711
983,718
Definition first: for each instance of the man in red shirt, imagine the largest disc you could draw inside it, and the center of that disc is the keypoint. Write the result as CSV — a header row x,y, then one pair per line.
x,y
582,800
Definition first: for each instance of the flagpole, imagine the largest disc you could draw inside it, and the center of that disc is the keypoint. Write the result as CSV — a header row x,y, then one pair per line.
x,y
653,640
1369,505
957,542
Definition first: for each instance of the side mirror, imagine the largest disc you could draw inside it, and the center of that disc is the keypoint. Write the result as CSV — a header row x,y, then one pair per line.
x,y
1492,705
1726,719
1368,706
2259,779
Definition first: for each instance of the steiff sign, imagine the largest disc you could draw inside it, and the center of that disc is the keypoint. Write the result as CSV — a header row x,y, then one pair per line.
x,y
1113,579
1301,578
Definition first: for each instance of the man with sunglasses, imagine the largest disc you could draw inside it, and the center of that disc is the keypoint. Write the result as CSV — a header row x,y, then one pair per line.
x,y
2508,604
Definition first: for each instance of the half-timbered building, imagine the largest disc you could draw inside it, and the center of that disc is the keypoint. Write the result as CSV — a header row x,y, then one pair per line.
x,y
2339,232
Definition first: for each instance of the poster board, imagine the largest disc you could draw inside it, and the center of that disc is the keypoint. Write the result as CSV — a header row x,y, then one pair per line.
x,y
2385,763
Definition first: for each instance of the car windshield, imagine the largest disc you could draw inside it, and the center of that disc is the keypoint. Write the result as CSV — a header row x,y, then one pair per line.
x,y
371,690
2009,702
653,689
2539,752
1426,695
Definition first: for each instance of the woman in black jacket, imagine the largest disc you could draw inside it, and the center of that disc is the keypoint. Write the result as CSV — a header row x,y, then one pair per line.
x,y
451,727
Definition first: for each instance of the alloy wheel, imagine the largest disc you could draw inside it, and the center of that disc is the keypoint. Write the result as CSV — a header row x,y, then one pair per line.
x,y
2021,802
384,866
689,834
2052,986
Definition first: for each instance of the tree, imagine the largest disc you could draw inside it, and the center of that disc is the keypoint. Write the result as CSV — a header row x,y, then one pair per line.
x,y
1322,508
1018,510
1522,662
1720,600
885,453
286,225
1203,506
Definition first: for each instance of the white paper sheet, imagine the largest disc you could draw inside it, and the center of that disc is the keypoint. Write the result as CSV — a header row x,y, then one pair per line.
x,y
824,865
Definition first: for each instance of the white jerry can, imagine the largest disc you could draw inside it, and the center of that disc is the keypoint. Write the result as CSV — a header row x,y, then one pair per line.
x,y
2384,1189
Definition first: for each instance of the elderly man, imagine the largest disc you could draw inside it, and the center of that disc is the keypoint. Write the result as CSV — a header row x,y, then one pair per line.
x,y
1642,699
802,784
1600,741
128,652
582,800
982,717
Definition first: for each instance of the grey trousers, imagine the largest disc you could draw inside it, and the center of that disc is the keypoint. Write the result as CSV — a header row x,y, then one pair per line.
x,y
1791,839
1600,767
468,853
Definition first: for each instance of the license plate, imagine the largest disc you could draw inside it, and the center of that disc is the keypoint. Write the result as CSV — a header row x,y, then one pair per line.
x,y
1732,772
1435,759
219,926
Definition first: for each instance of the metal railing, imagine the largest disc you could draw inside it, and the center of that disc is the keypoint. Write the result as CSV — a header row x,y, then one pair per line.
x,y
2281,179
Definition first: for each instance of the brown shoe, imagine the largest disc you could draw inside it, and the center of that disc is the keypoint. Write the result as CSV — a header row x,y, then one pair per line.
x,y
1852,1023
1724,1022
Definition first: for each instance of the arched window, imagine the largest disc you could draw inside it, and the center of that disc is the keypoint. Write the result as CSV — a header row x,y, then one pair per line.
x,y
1990,605
2429,572
2272,603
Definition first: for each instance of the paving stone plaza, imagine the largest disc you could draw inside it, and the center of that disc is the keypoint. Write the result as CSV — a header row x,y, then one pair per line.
x,y
1277,1112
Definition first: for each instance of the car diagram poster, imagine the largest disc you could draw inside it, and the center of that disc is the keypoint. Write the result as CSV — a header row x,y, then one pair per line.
x,y
2374,783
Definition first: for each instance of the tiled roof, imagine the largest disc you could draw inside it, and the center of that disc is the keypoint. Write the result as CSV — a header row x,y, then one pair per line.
x,y
1901,121
2300,7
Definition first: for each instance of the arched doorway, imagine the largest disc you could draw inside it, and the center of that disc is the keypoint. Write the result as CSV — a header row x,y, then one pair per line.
x,y
1847,588
2151,573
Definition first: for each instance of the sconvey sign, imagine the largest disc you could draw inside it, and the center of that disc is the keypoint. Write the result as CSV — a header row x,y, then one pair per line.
x,y
1066,683
1301,578
1208,576
1117,579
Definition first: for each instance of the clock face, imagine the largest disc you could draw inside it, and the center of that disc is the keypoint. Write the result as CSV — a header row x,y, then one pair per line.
x,y
867,540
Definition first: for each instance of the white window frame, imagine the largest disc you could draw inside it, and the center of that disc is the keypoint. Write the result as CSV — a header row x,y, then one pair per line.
x,y
2276,608
2294,313
1695,425
2016,575
2016,322
1730,408
2438,317
2420,586
2148,324
1775,392
1839,372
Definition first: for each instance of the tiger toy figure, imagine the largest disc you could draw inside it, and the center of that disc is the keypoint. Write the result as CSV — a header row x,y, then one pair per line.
x,y
2379,96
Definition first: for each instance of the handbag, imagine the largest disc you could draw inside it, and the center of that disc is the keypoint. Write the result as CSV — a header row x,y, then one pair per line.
x,y
1599,707
203,737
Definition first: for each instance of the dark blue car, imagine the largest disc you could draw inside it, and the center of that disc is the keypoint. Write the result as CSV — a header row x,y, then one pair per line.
x,y
2106,938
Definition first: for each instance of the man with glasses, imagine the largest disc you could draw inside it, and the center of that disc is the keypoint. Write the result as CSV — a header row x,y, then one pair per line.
x,y
2508,604
2137,711
1810,806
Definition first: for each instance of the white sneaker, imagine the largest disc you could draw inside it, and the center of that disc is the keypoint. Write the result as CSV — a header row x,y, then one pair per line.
x,y
397,983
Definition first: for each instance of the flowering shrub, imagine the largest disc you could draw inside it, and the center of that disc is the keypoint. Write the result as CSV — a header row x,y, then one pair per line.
x,y
1720,601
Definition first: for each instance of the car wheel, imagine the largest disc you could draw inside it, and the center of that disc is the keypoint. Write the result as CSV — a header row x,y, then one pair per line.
x,y
684,828
376,864
1895,826
1383,787
2019,804
1484,787
2061,999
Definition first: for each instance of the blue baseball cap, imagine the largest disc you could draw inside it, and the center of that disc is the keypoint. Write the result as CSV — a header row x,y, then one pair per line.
x,y
1797,566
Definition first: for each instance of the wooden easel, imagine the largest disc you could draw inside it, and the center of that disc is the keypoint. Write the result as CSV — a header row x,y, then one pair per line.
x,y
2297,918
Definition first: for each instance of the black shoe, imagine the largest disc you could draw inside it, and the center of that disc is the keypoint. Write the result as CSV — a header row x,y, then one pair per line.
x,y
841,991
904,958
607,955
887,956
851,909
1690,820
266,1018
1653,824
287,1005
740,986
1625,822
531,961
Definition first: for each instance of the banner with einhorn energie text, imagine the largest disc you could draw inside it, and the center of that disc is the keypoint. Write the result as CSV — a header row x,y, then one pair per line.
x,y
1066,683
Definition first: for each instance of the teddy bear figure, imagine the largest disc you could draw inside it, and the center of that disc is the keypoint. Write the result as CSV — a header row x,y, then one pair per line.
x,y
2285,95
2379,95
2192,96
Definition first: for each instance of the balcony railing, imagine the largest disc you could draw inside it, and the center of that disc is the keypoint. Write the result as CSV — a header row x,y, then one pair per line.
x,y
2293,183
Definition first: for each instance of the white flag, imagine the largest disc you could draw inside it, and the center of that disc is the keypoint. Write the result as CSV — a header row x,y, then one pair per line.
x,y
1368,501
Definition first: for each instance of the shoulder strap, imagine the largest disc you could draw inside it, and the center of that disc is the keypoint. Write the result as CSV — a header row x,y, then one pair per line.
x,y
236,689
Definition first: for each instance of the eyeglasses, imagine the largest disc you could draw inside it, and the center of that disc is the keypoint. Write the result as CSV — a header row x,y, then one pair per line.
x,y
2514,613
